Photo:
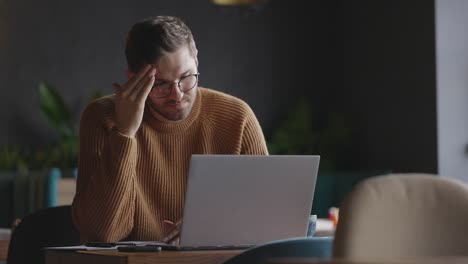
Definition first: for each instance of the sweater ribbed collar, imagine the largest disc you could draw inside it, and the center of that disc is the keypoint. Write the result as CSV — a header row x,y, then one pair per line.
x,y
162,124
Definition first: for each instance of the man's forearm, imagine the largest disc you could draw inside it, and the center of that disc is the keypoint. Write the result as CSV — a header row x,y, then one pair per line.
x,y
103,208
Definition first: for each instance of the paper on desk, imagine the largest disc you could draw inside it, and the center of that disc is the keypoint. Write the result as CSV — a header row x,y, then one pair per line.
x,y
81,247
121,243
142,243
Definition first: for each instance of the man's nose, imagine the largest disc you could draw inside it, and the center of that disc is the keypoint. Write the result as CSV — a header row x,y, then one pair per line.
x,y
175,94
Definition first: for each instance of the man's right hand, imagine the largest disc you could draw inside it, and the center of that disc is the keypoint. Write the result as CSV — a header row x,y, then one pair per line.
x,y
130,100
172,231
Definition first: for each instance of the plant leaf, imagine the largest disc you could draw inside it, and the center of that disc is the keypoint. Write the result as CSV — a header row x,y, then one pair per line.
x,y
52,105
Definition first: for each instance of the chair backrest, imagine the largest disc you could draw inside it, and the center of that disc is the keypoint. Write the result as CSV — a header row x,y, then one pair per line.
x,y
403,215
48,227
316,247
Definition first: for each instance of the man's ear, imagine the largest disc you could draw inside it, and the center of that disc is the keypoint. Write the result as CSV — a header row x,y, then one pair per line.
x,y
195,56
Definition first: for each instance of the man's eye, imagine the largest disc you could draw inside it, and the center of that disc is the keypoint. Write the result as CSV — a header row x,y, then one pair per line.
x,y
159,83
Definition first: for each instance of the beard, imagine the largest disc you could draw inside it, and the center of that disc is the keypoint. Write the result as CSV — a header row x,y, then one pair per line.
x,y
174,110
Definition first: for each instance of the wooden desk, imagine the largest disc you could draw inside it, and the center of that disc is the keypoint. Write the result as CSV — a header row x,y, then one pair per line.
x,y
164,257
216,257
428,260
4,249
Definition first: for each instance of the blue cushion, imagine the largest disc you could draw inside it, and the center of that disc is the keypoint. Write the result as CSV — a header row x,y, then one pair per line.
x,y
317,247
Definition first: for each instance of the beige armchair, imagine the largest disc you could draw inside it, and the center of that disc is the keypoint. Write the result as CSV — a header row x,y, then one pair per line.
x,y
403,215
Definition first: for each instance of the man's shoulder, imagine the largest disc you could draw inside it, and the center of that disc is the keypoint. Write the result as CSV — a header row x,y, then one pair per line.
x,y
100,105
217,100
99,109
223,109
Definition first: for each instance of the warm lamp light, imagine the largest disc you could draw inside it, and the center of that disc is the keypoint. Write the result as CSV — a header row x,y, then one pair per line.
x,y
239,2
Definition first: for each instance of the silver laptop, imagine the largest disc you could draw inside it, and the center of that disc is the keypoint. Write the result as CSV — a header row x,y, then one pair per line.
x,y
239,201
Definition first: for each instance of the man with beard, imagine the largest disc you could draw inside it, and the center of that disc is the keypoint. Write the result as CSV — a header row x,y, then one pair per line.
x,y
136,145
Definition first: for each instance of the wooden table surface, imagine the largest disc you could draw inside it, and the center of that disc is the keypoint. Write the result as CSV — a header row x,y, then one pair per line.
x,y
413,260
3,249
216,257
164,257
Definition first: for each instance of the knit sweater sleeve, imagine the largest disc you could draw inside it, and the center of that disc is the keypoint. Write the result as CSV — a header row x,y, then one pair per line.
x,y
103,207
253,140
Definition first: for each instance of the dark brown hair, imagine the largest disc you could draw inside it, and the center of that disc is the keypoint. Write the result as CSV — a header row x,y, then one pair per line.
x,y
148,40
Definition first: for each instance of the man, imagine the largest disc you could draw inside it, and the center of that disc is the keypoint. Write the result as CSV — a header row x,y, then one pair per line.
x,y
135,146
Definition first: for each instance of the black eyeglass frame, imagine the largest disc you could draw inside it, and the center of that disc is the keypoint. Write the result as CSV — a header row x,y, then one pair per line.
x,y
178,85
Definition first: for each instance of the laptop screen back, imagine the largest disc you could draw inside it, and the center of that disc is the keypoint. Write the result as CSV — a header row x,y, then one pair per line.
x,y
237,200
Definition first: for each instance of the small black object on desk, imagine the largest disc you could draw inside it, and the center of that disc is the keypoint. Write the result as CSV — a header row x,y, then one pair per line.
x,y
146,248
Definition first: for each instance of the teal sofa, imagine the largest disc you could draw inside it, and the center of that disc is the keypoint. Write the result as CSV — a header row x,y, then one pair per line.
x,y
22,194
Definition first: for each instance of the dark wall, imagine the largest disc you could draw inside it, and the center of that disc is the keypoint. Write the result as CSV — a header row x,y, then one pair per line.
x,y
389,82
78,47
373,60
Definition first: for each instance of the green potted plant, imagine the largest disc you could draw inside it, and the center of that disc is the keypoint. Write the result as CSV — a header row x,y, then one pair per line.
x,y
301,133
64,154
26,184
12,159
29,177
304,133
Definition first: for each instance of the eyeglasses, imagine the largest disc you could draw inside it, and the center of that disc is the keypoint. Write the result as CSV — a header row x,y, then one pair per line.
x,y
163,89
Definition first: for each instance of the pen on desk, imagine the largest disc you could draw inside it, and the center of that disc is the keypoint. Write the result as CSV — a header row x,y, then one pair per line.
x,y
146,248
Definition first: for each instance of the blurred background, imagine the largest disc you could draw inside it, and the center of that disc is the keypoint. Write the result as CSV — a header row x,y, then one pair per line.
x,y
371,86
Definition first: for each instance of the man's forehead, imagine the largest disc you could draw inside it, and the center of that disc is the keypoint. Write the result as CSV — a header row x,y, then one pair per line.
x,y
165,71
175,63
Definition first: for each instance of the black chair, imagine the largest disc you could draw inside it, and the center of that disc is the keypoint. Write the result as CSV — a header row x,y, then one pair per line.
x,y
44,228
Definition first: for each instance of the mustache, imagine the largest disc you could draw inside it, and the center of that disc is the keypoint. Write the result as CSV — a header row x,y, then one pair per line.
x,y
176,102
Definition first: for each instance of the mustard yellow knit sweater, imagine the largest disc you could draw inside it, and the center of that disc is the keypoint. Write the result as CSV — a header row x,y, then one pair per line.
x,y
128,186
